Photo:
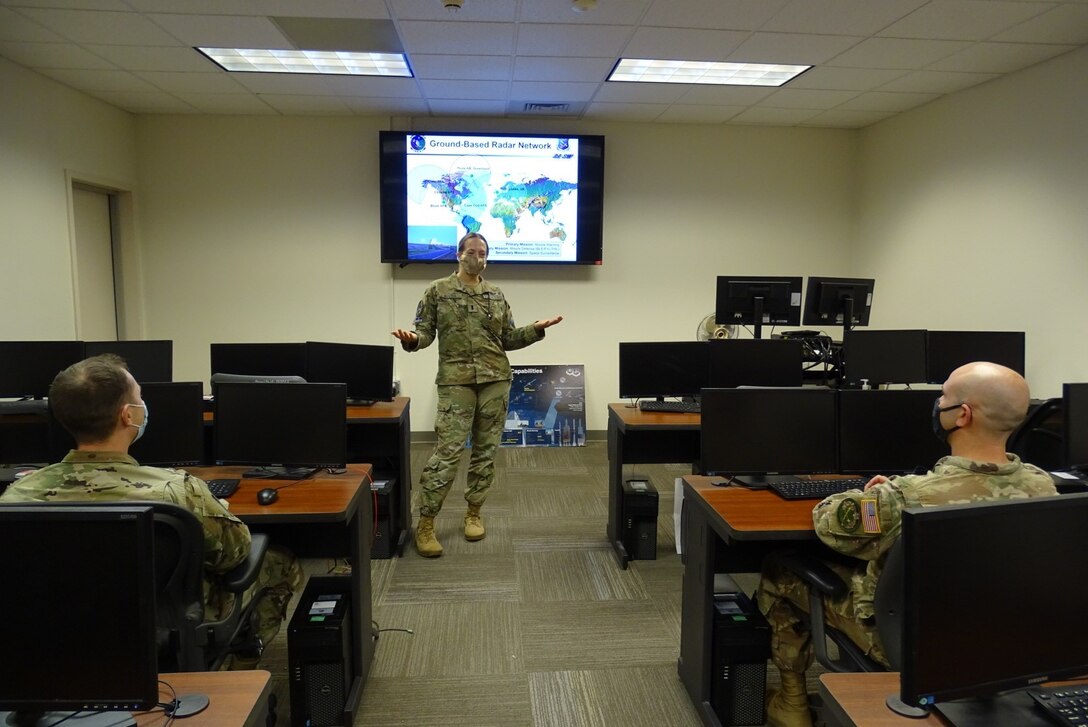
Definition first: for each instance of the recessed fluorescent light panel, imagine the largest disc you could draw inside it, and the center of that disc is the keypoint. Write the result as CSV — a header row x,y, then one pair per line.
x,y
339,63
643,70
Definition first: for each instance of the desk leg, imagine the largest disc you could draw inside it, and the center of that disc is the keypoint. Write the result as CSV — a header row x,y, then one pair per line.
x,y
404,480
697,613
615,492
363,634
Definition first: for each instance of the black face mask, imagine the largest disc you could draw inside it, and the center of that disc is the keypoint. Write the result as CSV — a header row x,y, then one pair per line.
x,y
938,429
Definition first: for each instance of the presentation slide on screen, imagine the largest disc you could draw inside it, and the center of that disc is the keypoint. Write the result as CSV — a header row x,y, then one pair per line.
x,y
520,193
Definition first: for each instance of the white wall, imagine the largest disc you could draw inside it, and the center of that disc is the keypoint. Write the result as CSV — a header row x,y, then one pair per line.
x,y
46,130
266,229
973,215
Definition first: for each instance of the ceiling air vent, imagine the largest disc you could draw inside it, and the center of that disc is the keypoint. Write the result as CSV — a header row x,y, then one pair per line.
x,y
546,108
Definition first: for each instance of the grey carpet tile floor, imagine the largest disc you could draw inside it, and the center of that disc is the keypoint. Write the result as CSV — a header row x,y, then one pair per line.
x,y
534,626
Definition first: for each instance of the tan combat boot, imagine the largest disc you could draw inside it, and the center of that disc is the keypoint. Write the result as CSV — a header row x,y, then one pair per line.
x,y
788,706
474,524
426,543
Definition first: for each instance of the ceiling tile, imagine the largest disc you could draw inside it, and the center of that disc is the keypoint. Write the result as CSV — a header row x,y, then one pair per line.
x,y
725,95
998,57
85,26
88,80
474,11
1064,24
223,31
536,68
540,39
841,17
801,98
192,82
468,107
553,92
624,111
937,81
456,67
669,43
793,48
117,5
491,90
451,37
52,55
307,105
689,114
200,7
373,86
897,53
383,106
772,116
16,27
620,92
962,19
715,14
627,12
228,103
845,118
845,79
153,102
155,58
890,102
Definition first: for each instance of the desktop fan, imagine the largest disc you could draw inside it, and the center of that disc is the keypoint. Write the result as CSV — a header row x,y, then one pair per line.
x,y
710,328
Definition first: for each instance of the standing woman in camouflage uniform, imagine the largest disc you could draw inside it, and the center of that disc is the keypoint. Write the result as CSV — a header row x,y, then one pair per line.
x,y
475,328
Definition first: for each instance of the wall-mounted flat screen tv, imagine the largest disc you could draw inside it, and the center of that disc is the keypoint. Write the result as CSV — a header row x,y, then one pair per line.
x,y
535,198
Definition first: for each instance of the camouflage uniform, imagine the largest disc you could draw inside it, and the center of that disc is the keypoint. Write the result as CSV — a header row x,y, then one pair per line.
x,y
84,475
864,525
475,329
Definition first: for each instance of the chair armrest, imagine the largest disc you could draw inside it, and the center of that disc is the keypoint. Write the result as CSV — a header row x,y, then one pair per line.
x,y
242,576
816,574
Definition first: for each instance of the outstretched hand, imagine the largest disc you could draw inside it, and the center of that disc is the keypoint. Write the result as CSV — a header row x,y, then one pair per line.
x,y
404,336
542,324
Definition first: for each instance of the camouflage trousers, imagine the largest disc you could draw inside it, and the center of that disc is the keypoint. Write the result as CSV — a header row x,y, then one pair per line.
x,y
479,409
783,598
279,578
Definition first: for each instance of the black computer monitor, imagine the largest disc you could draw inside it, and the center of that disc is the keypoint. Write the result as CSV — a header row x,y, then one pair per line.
x,y
758,300
295,427
661,369
146,360
759,431
838,301
260,359
27,368
367,370
755,362
77,622
886,357
948,350
887,432
1075,398
175,433
994,601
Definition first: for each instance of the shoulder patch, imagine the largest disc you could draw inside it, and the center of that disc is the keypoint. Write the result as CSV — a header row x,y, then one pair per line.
x,y
848,516
870,515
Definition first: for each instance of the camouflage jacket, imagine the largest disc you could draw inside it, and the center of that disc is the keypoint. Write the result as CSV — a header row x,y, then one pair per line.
x,y
866,524
86,475
475,329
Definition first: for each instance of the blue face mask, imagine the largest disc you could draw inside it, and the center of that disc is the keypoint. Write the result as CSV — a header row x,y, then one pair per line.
x,y
142,426
938,428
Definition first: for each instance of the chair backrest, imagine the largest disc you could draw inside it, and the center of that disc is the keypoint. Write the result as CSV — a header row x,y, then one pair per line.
x,y
179,568
1039,438
888,605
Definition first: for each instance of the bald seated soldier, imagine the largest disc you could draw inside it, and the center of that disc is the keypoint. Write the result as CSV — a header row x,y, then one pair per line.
x,y
100,404
980,405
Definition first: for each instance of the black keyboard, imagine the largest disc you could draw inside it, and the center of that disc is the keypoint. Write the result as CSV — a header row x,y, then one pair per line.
x,y
681,407
223,488
800,489
1063,705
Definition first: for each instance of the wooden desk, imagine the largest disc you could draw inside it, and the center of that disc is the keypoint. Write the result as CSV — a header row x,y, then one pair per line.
x,y
235,698
326,516
726,530
858,699
637,437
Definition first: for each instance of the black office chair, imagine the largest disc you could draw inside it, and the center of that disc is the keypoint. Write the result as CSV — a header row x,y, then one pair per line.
x,y
187,641
888,605
1040,439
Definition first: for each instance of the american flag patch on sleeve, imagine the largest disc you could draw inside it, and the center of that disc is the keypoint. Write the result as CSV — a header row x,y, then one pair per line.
x,y
870,515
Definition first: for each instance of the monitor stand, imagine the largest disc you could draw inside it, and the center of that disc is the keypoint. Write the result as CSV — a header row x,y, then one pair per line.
x,y
1013,709
362,402
280,473
75,719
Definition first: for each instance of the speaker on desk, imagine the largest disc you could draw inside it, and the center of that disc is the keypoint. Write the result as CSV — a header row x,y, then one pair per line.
x,y
319,653
639,523
385,506
742,645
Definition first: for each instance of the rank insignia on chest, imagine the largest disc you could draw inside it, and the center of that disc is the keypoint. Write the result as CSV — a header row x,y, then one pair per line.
x,y
870,514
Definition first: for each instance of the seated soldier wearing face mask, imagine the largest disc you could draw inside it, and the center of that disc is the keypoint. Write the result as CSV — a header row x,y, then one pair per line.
x,y
100,404
979,407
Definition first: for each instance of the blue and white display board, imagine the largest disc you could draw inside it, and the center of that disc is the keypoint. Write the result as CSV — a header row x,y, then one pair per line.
x,y
547,407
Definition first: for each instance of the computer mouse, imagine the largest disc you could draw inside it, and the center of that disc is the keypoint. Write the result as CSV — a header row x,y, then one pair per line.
x,y
267,496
